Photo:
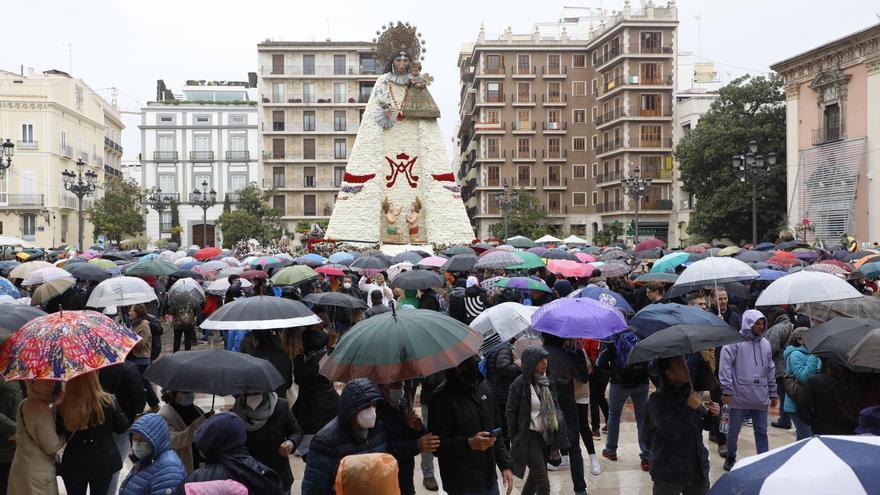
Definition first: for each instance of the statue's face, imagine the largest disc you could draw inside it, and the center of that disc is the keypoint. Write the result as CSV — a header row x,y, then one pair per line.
x,y
401,65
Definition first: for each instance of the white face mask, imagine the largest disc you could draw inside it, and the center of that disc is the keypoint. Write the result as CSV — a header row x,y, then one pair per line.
x,y
186,399
366,419
253,401
395,395
347,285
141,449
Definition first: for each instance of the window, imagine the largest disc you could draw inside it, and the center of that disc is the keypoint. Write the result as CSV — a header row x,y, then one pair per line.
x,y
338,175
278,149
595,141
649,74
339,92
554,202
492,149
308,176
578,60
494,64
237,182
309,205
308,64
554,64
492,117
554,92
553,118
579,116
278,203
277,176
523,175
579,144
554,148
201,142
165,120
308,149
339,65
309,120
365,88
238,119
594,170
523,147
339,122
554,175
278,120
28,226
594,87
340,149
277,92
168,183
202,120
650,42
278,64
308,92
494,92
579,199
202,181
523,64
650,136
595,198
579,88
493,175
523,120
523,91
832,122
27,133
579,171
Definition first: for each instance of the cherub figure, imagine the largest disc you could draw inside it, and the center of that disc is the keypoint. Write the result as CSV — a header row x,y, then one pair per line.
x,y
392,231
416,236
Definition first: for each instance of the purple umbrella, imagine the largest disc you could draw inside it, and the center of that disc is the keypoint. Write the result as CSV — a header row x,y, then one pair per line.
x,y
579,318
537,250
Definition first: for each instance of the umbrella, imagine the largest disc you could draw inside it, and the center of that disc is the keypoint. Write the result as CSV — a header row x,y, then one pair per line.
x,y
13,315
261,313
670,262
694,249
395,270
568,268
457,250
312,260
783,258
558,254
187,274
656,278
117,256
806,287
7,288
417,280
86,271
614,269
523,283
292,275
715,270
207,253
480,247
547,239
870,270
584,257
538,250
186,291
764,246
44,275
330,270
121,291
752,256
341,257
649,244
502,322
529,261
266,261
214,371
25,269
491,283
835,338
497,259
464,262
335,299
607,296
408,257
578,318
613,254
866,353
678,340
103,264
656,317
396,346
254,274
729,251
819,464
369,262
650,254
521,242
64,345
229,270
872,258
155,267
436,261
221,285
865,307
770,274
835,269
50,290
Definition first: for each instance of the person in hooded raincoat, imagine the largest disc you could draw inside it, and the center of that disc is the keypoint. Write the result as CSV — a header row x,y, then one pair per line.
x,y
157,469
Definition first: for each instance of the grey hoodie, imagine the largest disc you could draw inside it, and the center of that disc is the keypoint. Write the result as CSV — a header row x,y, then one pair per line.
x,y
746,371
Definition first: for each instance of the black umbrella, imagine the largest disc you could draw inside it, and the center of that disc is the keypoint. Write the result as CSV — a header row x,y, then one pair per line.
x,y
335,299
13,316
460,262
117,256
650,254
682,339
214,371
750,256
736,289
369,263
86,271
558,254
186,274
457,250
836,337
417,279
789,245
407,257
261,313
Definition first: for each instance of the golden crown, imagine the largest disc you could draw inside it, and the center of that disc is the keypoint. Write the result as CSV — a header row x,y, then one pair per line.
x,y
400,38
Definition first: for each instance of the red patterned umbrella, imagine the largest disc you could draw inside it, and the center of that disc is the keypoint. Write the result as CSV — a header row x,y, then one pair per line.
x,y
63,345
649,244
207,253
330,270
696,249
253,274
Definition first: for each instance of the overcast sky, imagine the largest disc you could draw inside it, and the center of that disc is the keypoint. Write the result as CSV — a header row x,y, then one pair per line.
x,y
130,44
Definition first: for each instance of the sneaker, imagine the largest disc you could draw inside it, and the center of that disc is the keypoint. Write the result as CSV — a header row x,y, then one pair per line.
x,y
748,422
777,424
608,455
605,429
564,463
722,450
430,484
728,463
646,465
595,468
596,434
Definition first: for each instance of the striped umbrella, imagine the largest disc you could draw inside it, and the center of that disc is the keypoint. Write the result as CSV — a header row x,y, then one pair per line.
x,y
497,259
829,268
615,268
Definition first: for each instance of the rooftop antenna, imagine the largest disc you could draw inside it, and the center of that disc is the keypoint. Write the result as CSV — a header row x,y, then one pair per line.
x,y
70,59
115,97
699,35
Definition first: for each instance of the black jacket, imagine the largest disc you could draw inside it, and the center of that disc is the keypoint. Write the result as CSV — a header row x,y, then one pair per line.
x,y
281,361
125,383
502,372
674,434
92,453
565,366
457,412
467,304
400,441
263,444
817,407
317,401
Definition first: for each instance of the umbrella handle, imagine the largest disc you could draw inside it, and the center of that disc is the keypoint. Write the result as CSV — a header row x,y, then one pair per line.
x,y
212,401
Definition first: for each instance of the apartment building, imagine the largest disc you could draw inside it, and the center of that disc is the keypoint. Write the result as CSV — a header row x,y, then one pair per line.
x,y
54,120
312,99
566,112
111,158
205,138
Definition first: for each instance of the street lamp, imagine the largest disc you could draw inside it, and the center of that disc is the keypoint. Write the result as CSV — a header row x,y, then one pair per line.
x,y
636,187
81,185
753,168
204,199
506,200
6,157
159,203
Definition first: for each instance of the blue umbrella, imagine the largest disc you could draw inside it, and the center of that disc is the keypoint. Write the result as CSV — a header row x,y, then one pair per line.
x,y
770,274
764,246
8,289
655,317
314,257
188,265
149,256
578,318
606,296
669,262
341,257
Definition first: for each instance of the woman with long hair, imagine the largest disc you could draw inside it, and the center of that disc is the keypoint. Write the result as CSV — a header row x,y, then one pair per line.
x,y
36,442
89,416
830,401
140,354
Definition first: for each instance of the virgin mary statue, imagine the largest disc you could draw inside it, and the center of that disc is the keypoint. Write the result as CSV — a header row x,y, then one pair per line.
x,y
398,186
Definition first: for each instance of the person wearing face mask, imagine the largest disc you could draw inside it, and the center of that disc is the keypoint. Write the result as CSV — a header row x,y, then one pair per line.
x,y
354,430
157,469
462,414
272,432
183,418
36,442
405,434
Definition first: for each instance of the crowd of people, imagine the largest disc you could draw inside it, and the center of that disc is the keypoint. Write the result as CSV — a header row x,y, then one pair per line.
x,y
523,408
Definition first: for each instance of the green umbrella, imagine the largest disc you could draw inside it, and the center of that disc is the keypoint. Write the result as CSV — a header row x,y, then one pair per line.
x,y
871,270
524,283
657,278
529,261
670,262
102,263
521,242
396,346
591,249
155,267
293,275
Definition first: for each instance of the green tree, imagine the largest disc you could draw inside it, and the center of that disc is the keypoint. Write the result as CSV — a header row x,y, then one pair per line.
x,y
176,229
252,219
609,234
747,108
526,218
119,213
227,204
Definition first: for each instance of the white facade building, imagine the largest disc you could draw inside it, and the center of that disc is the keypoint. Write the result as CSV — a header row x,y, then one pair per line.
x,y
207,138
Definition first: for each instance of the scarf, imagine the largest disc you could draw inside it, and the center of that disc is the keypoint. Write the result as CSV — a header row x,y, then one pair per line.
x,y
547,412
254,419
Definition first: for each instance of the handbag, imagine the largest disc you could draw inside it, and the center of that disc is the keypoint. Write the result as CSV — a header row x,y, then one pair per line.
x,y
792,386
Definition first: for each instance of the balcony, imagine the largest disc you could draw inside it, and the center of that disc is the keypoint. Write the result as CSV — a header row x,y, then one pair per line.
x,y
621,81
66,151
492,71
554,154
467,72
491,182
828,135
492,99
526,182
550,71
494,154
21,200
201,156
656,173
109,143
554,126
233,197
657,204
312,99
655,143
528,127
609,116
614,176
609,206
609,146
26,145
84,157
489,127
292,127
606,57
523,71
238,155
523,99
655,50
319,70
553,100
165,156
554,182
517,154
662,111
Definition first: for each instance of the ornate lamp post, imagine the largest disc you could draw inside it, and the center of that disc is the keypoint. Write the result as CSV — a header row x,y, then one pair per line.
x,y
6,157
753,168
81,185
636,187
159,203
204,199
506,200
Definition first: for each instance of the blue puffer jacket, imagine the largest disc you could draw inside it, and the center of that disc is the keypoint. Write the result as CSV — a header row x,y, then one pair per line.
x,y
161,471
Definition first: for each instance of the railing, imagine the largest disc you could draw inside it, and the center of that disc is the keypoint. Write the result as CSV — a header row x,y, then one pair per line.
x,y
68,201
67,151
238,155
631,81
610,115
201,155
609,146
518,70
233,197
554,182
609,177
524,126
306,98
662,111
494,154
530,182
171,196
523,98
21,200
554,154
320,127
554,99
311,182
489,126
165,155
467,72
657,204
517,154
274,155
278,181
655,143
554,126
492,71
828,135
607,57
84,156
112,144
667,49
320,70
554,70
656,173
99,162
26,145
493,98
609,206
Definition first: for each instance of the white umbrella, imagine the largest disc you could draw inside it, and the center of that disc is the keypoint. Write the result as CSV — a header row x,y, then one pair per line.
x,y
806,287
221,285
44,275
503,322
187,284
395,270
8,240
715,270
547,238
229,260
573,239
232,270
185,259
24,269
121,291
